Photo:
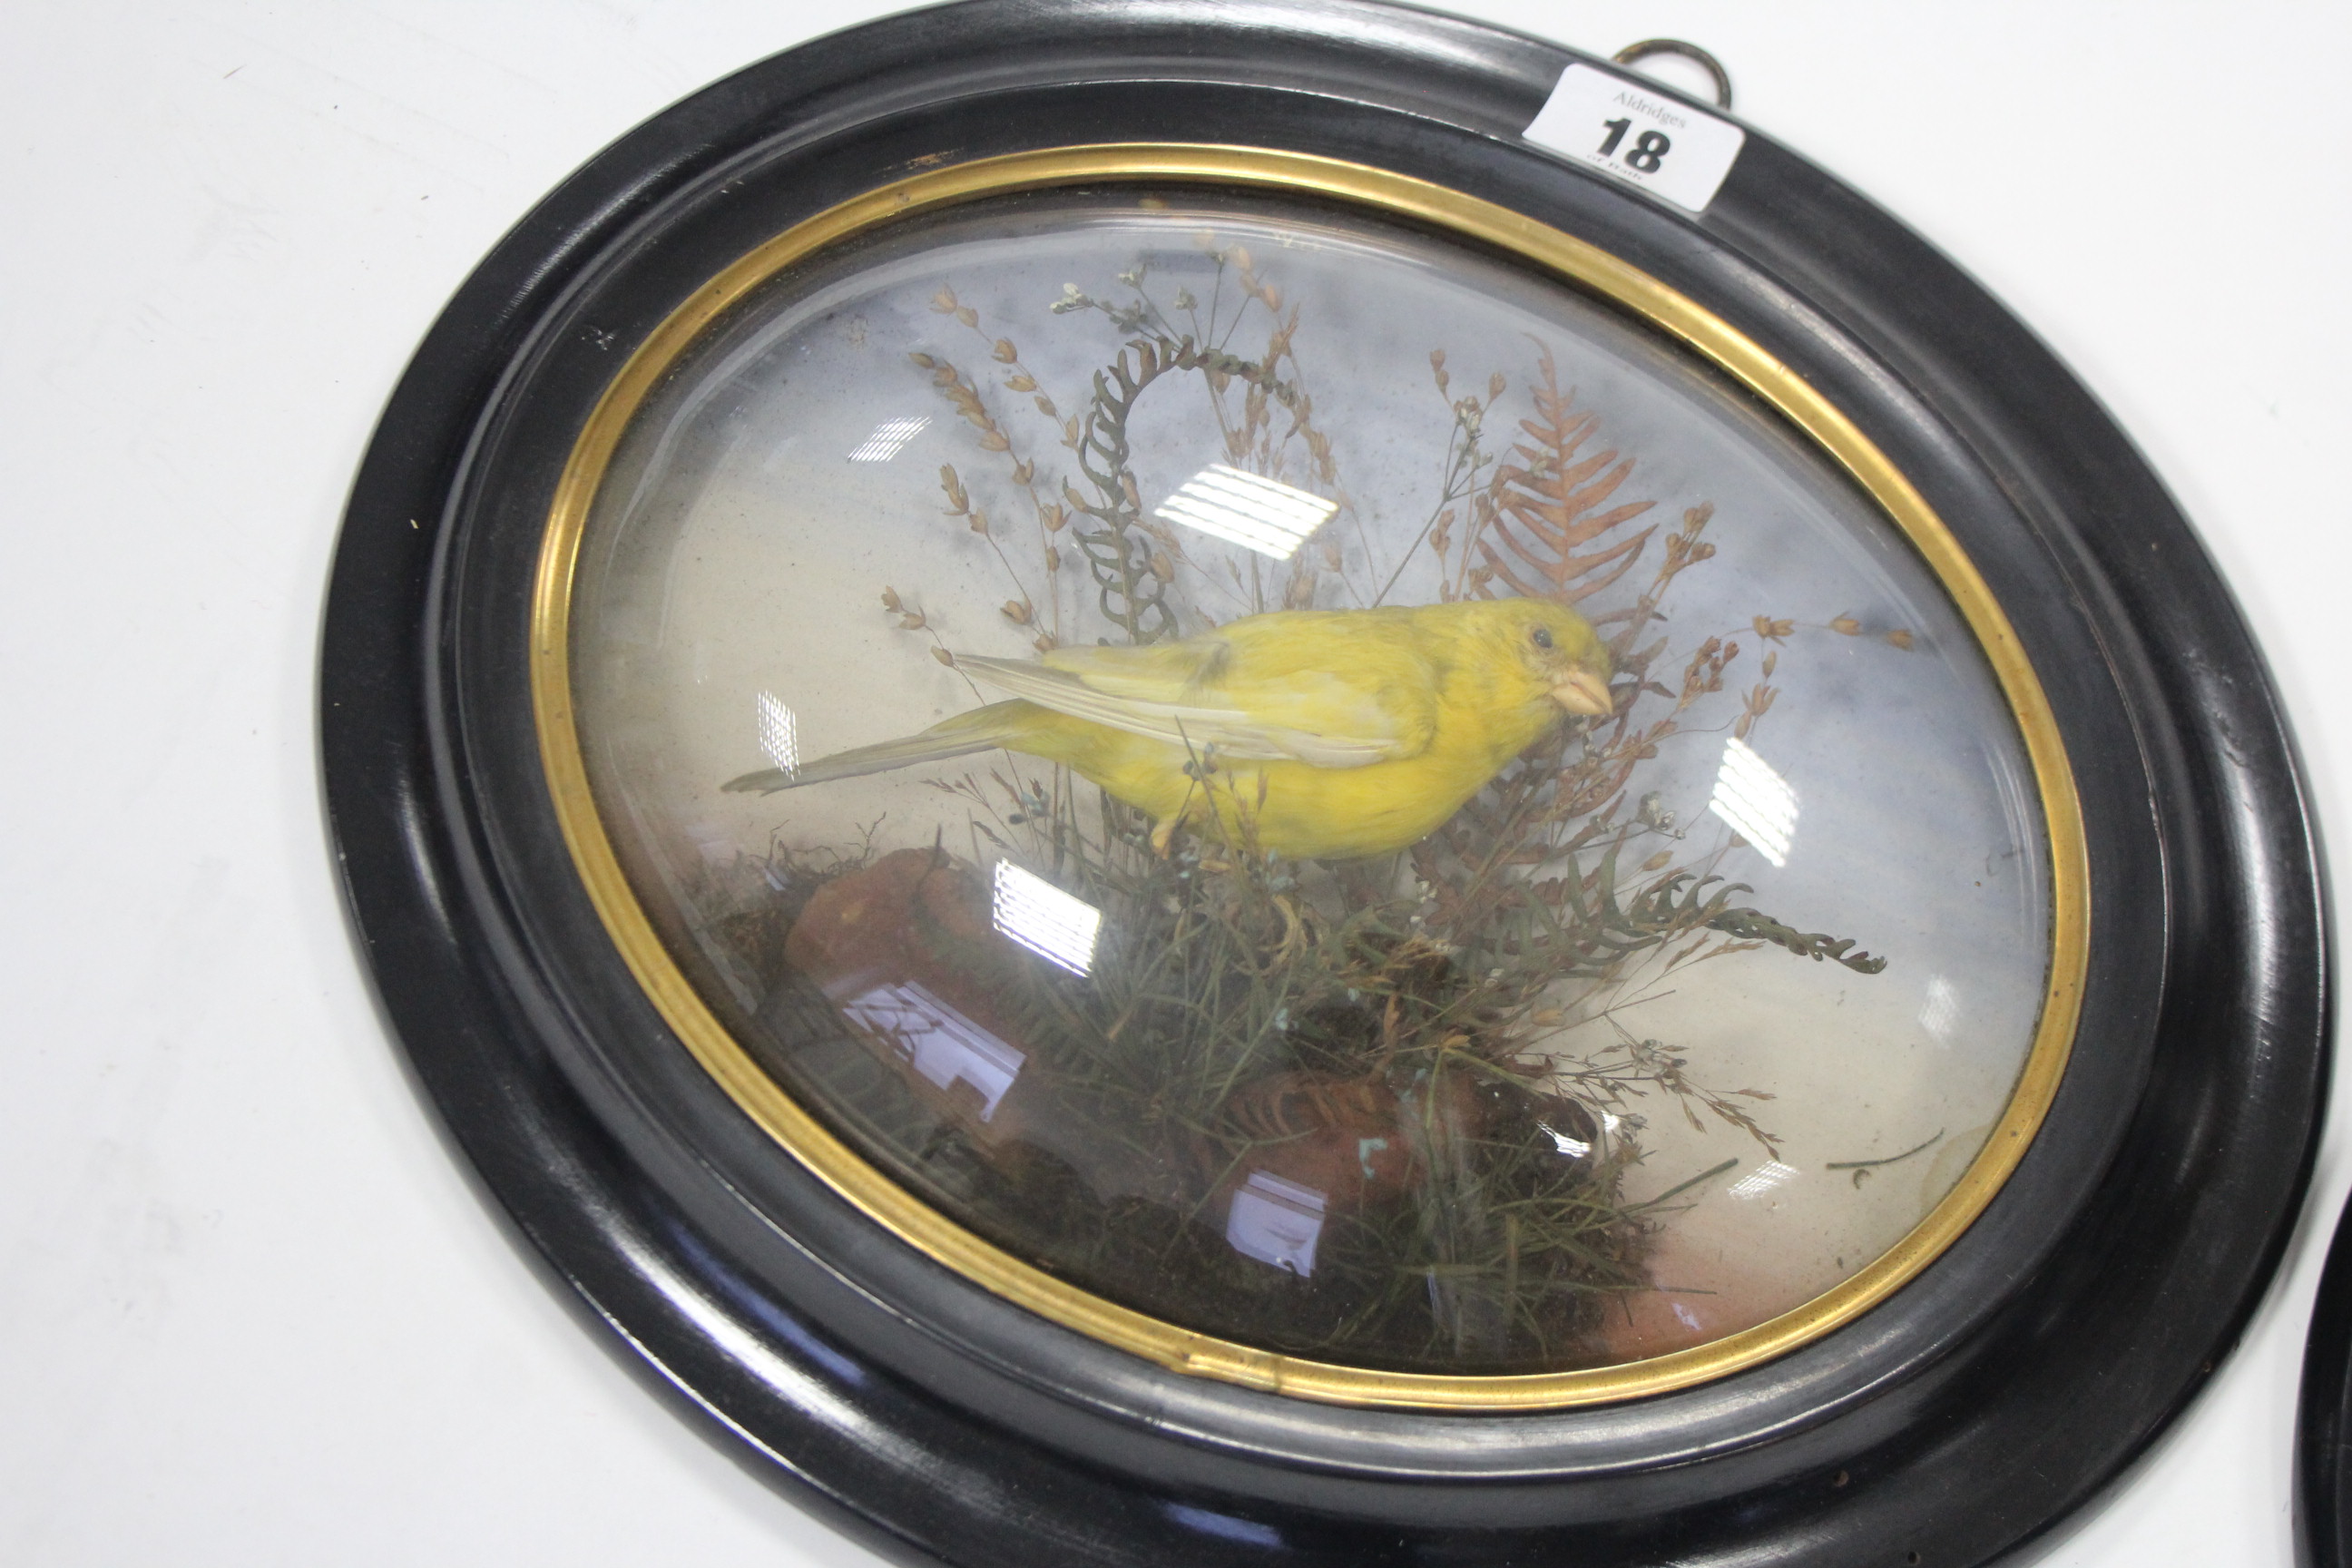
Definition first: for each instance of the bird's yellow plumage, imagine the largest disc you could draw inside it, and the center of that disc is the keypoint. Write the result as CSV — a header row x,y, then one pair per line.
x,y
1314,733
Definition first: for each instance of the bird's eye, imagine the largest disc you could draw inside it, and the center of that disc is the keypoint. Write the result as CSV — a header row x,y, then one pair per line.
x,y
1543,636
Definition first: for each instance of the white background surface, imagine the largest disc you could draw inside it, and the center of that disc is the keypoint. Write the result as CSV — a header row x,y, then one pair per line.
x,y
249,1312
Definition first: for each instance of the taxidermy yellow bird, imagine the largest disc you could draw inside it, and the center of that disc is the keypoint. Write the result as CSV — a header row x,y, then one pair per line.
x,y
1317,734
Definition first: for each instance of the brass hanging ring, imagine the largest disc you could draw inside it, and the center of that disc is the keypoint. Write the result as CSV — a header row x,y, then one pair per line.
x,y
1648,46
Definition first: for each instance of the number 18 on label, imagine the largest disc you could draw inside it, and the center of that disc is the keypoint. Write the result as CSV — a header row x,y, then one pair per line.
x,y
1641,136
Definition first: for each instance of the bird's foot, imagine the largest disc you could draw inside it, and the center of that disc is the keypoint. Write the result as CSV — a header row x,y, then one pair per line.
x,y
1294,937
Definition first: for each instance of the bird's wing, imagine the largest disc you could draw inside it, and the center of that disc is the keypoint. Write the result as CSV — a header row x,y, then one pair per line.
x,y
1249,703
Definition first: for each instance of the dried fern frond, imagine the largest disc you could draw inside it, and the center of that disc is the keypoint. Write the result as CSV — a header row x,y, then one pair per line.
x,y
1549,504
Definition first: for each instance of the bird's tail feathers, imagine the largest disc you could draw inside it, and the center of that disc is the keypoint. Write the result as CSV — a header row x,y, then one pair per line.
x,y
982,730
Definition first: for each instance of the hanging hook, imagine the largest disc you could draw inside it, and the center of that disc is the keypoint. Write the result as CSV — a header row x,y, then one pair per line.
x,y
1648,46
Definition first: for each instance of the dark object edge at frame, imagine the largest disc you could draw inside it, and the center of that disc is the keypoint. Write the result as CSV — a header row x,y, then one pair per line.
x,y
605,1226
2323,1457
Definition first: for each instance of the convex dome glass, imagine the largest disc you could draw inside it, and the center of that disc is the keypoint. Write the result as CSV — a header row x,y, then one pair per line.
x,y
1302,779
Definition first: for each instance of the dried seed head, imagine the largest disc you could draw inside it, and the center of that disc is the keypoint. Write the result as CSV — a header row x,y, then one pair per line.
x,y
1846,625
890,599
944,656
944,301
1495,385
926,360
1162,567
1045,643
968,316
1901,639
1052,559
1019,384
1015,611
1004,352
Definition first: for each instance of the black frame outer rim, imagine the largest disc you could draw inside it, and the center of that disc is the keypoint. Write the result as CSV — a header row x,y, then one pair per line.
x,y
2323,1461
2184,1180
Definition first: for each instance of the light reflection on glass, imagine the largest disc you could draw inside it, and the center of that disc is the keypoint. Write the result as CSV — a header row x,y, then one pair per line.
x,y
1942,1008
1046,920
780,732
1756,801
1762,1179
937,1041
1574,1148
887,438
1276,1222
1261,514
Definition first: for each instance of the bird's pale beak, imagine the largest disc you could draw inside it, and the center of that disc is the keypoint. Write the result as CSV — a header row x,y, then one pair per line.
x,y
1582,692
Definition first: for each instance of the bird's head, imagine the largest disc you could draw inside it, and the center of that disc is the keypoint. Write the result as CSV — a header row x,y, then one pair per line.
x,y
1558,650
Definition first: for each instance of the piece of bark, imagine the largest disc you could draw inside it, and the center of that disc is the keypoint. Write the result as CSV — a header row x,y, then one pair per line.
x,y
1357,1142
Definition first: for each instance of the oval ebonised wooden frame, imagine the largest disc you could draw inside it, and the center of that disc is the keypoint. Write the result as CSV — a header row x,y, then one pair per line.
x,y
1958,1419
